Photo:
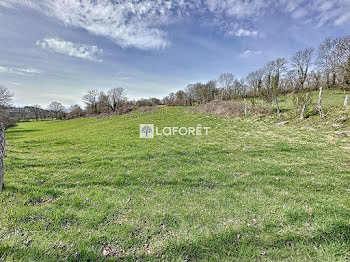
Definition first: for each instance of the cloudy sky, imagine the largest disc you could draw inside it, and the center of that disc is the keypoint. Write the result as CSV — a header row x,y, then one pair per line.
x,y
55,50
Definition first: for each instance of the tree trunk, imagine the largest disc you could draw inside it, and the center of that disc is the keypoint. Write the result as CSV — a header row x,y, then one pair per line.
x,y
346,100
328,81
333,80
2,151
1,174
297,104
319,106
277,106
245,107
297,101
304,106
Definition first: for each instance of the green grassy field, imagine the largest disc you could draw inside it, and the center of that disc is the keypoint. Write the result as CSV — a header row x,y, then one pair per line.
x,y
91,189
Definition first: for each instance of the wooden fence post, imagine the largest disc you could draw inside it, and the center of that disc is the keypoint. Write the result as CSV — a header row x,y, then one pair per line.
x,y
2,152
277,106
304,106
319,105
245,107
346,100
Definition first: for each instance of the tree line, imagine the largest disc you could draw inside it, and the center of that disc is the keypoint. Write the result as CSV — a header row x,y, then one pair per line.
x,y
307,70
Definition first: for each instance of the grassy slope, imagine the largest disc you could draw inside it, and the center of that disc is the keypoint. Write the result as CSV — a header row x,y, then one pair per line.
x,y
90,188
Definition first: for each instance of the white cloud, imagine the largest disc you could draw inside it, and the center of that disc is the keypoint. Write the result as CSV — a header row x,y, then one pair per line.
x,y
335,12
29,70
342,19
71,49
321,12
15,83
19,71
243,32
137,24
299,13
249,53
14,3
238,8
3,69
128,23
141,24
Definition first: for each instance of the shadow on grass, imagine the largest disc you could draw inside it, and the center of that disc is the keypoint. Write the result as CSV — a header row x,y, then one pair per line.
x,y
18,133
188,183
242,245
245,246
32,253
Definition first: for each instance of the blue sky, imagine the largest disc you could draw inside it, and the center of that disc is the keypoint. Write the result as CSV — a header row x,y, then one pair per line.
x,y
55,50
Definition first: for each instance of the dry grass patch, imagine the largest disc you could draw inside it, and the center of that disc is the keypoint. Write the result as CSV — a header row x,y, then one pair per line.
x,y
231,109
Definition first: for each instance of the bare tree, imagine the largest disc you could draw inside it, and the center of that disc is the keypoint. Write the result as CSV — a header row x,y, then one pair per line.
x,y
347,80
279,67
327,60
74,108
35,110
209,90
347,75
225,81
5,97
75,111
290,81
5,102
331,59
199,94
238,90
102,103
57,108
314,80
266,90
172,98
116,97
341,55
301,63
180,98
345,46
254,80
91,99
190,94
